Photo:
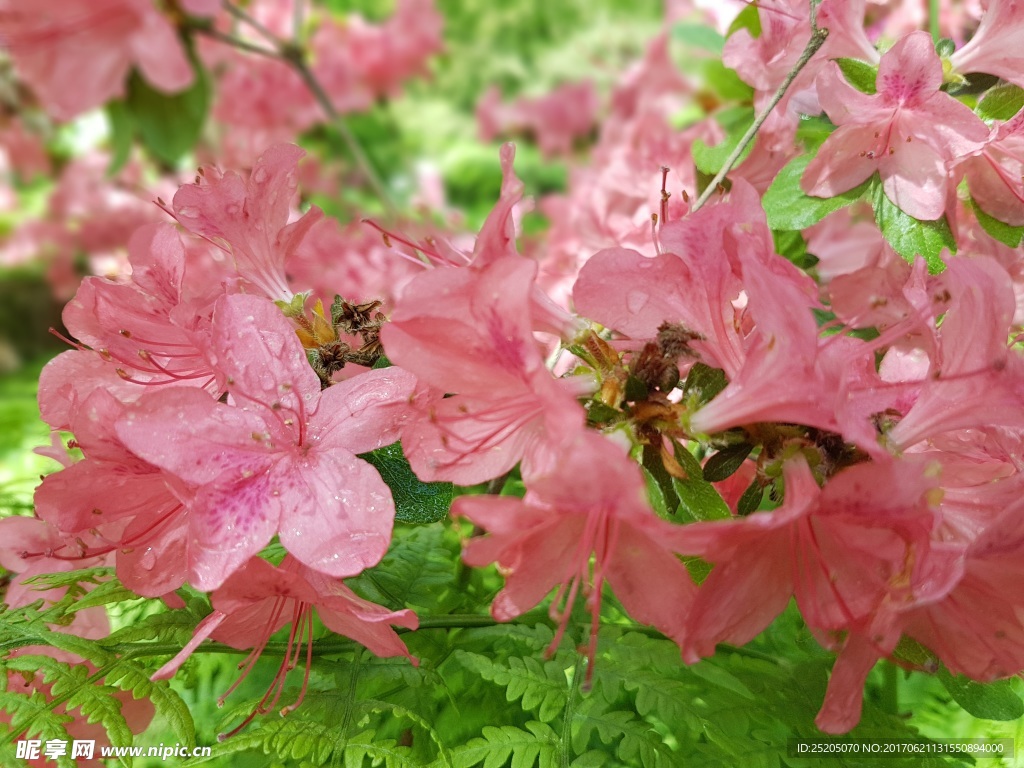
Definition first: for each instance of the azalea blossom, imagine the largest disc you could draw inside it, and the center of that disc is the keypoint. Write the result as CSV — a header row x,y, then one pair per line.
x,y
907,132
76,54
250,217
590,505
259,599
279,458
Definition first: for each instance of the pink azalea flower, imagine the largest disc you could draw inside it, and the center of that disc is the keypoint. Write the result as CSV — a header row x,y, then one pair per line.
x,y
76,54
854,555
973,379
690,283
469,332
555,120
280,458
150,328
591,504
977,628
259,599
995,173
908,131
250,216
113,501
995,46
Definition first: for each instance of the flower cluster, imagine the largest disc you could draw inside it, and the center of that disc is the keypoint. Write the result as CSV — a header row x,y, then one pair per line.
x,y
850,426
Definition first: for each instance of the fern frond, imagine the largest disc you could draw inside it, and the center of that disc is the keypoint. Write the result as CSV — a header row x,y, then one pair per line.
x,y
535,746
420,571
542,686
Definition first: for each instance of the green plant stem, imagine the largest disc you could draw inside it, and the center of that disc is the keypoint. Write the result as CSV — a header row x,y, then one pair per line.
x,y
818,37
933,19
328,646
294,55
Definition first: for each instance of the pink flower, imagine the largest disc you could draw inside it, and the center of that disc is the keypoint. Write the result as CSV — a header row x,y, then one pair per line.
x,y
690,283
907,132
250,217
76,54
995,47
259,599
149,328
113,501
977,628
995,173
590,503
280,458
854,555
555,120
468,331
973,379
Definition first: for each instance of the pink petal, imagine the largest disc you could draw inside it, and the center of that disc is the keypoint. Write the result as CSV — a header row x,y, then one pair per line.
x,y
845,160
910,71
365,412
262,362
336,512
203,631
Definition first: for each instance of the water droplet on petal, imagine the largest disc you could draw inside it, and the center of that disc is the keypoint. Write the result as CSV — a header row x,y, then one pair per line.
x,y
259,175
148,559
636,300
188,212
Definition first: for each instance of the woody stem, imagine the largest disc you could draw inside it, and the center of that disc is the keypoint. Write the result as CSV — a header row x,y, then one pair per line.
x,y
817,39
294,55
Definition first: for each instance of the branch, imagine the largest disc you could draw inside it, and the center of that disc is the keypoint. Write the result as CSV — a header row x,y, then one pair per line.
x,y
818,37
292,54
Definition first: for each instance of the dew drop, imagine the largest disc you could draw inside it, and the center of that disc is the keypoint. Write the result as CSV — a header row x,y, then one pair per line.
x,y
636,300
148,559
259,175
188,212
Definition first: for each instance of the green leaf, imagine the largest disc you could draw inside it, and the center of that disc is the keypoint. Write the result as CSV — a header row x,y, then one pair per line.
x,y
735,122
751,499
542,686
1004,233
122,133
748,19
415,500
698,499
168,124
725,82
653,465
537,745
1001,103
911,237
788,207
859,74
419,571
703,383
992,701
724,463
699,36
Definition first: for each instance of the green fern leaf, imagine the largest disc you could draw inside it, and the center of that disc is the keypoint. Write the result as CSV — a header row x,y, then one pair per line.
x,y
542,686
636,741
536,746
419,571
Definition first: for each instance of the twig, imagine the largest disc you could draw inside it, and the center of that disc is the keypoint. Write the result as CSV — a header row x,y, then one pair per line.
x,y
241,15
292,54
818,37
236,42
